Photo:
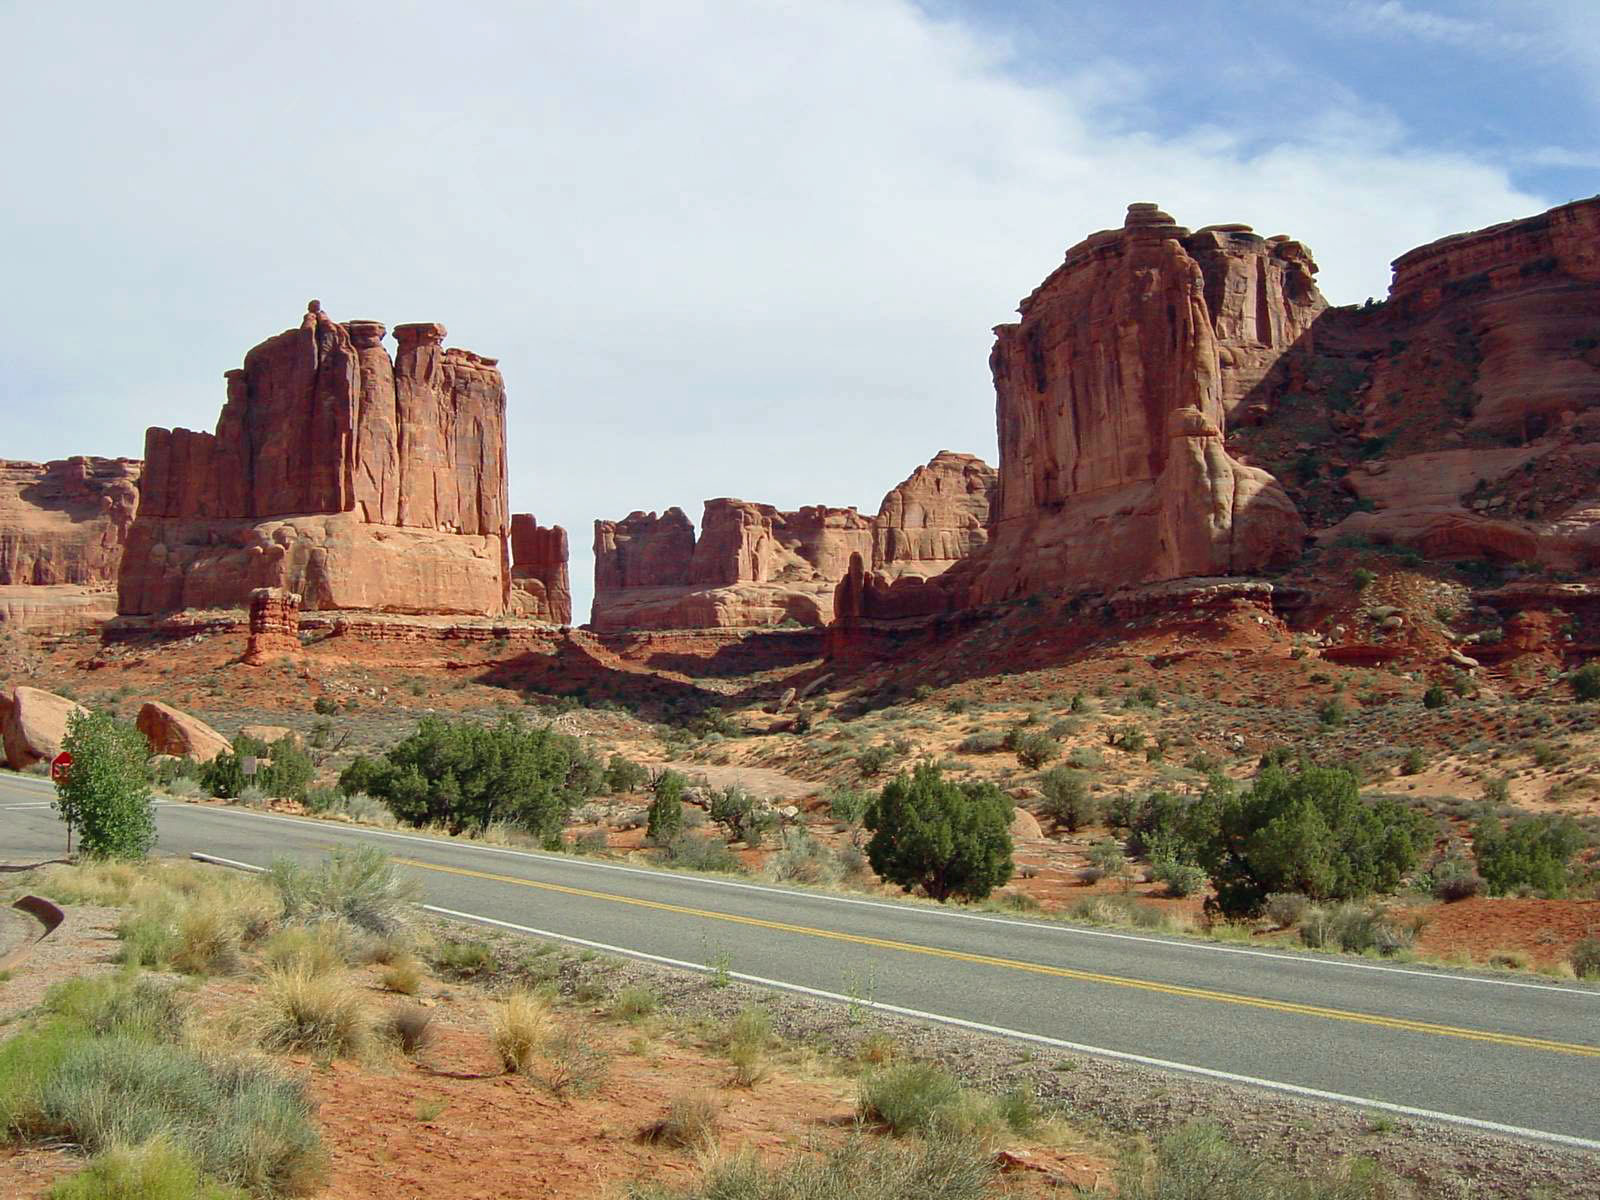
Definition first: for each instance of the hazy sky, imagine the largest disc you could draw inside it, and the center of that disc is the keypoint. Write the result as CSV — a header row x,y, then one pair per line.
x,y
744,248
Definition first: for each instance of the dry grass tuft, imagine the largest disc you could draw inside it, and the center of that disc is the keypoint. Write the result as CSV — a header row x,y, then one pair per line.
x,y
322,1015
404,976
691,1122
518,1026
410,1028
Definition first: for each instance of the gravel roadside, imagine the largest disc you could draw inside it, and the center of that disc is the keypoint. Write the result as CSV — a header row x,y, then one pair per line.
x,y
1438,1159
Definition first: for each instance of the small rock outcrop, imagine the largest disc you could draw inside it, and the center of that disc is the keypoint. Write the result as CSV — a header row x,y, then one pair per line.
x,y
169,731
33,724
352,479
540,586
938,517
65,522
274,626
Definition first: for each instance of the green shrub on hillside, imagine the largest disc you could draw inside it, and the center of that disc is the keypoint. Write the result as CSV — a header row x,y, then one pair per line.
x,y
1308,832
467,776
664,819
1067,799
948,839
1530,854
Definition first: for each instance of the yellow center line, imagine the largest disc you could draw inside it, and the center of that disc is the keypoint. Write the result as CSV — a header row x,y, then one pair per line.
x,y
1169,989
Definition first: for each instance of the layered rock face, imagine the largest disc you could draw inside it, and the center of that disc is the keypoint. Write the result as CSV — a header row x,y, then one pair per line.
x,y
1482,392
755,565
751,565
540,586
1112,395
935,519
274,625
336,473
65,522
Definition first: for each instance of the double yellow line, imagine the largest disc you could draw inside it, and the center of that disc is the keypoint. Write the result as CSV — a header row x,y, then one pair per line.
x,y
1169,989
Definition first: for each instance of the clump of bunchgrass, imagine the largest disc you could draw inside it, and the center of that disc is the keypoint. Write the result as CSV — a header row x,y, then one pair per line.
x,y
359,886
518,1026
318,1014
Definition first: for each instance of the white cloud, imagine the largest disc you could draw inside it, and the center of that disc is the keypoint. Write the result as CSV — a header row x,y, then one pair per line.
x,y
720,248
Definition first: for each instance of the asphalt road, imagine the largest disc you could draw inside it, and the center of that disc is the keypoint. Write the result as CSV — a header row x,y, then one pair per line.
x,y
1517,1056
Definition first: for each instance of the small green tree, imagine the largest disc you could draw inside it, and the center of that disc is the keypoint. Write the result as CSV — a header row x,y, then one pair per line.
x,y
106,794
1308,832
1067,799
664,820
948,839
1532,853
1586,682
849,805
1435,697
624,775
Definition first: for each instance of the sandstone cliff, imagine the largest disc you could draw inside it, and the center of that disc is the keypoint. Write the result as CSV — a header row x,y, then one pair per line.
x,y
1112,393
65,522
754,565
336,473
540,586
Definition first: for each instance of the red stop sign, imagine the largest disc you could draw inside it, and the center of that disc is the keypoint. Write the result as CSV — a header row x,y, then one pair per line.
x,y
60,765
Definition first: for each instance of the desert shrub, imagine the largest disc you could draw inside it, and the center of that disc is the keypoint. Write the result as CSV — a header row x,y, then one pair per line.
x,y
464,959
803,859
1181,877
948,839
518,1026
690,852
1129,737
467,776
1106,858
986,741
1285,909
156,1170
319,1014
1435,697
1085,758
572,1065
1354,928
874,761
318,949
1197,1162
1453,878
1585,958
907,1097
691,1122
1413,763
1362,578
633,1002
403,976
410,1028
1067,799
321,800
208,940
595,841
746,1041
860,1169
1033,747
325,706
183,787
106,795
739,812
623,775
124,1004
664,820
1585,682
358,886
1332,713
1181,824
849,806
1308,832
1497,791
1531,853
239,1122
282,769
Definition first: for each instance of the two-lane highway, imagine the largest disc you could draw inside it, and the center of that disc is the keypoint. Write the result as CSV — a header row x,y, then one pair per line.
x,y
1521,1056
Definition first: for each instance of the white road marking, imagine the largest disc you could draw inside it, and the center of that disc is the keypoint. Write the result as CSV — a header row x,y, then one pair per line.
x,y
914,909
1293,1089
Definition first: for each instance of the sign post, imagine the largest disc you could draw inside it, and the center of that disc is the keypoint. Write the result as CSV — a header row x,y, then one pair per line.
x,y
60,768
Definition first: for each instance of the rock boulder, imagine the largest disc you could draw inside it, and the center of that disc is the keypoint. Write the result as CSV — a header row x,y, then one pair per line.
x,y
170,731
33,724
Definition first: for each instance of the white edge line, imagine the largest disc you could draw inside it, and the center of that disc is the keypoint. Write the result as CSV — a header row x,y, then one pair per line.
x,y
1441,975
1142,1060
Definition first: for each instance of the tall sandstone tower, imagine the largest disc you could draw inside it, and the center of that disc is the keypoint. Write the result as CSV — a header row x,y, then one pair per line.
x,y
336,473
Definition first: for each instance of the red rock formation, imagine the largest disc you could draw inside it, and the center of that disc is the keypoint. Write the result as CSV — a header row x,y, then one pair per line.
x,y
540,586
65,522
1483,392
33,724
274,625
936,518
336,474
1112,394
171,731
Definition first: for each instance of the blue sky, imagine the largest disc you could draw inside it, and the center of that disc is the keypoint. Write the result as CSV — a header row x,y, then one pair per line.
x,y
720,247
